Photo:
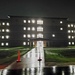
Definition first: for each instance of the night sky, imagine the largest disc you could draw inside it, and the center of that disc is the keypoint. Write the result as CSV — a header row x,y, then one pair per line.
x,y
40,8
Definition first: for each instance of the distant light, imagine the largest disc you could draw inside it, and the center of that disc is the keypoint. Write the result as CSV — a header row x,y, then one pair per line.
x,y
33,35
24,21
28,21
72,31
69,31
33,28
3,30
24,43
7,44
69,43
7,24
2,44
7,30
61,28
7,36
28,36
24,35
33,21
2,37
3,23
24,28
53,35
28,43
68,25
28,28
40,22
72,43
72,37
71,25
69,37
61,22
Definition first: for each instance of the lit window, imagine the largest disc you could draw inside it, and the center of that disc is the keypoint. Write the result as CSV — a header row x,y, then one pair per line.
x,y
7,24
61,28
28,36
68,25
72,43
3,23
33,21
7,30
72,37
33,43
71,25
24,21
24,43
28,28
39,21
7,36
33,35
2,44
69,31
24,35
69,37
28,43
2,37
28,21
61,22
7,44
39,28
33,28
3,30
72,31
39,35
69,43
53,35
24,28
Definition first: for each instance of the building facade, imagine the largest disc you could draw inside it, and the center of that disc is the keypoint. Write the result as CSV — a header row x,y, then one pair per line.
x,y
25,31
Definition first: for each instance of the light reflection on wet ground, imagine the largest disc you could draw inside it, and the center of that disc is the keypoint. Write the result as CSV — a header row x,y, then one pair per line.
x,y
54,70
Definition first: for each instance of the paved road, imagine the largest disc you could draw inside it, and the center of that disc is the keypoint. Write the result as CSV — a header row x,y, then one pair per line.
x,y
30,60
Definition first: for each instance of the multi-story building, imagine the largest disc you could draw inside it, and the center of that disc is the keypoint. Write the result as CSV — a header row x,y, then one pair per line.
x,y
25,31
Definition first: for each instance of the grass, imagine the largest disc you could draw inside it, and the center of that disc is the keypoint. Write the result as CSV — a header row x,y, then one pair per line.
x,y
59,55
8,55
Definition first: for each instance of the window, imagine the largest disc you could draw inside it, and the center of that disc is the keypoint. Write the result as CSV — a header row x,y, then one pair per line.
x,y
68,25
72,31
7,44
33,28
39,28
69,31
53,35
24,21
28,36
72,43
24,35
33,35
69,43
33,43
7,24
7,30
40,35
72,37
3,30
24,43
71,25
69,37
61,28
33,21
39,21
61,22
28,28
28,21
3,23
24,28
2,44
7,36
2,37
28,43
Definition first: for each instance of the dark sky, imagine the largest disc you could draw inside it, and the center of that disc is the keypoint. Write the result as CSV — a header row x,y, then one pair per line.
x,y
47,8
